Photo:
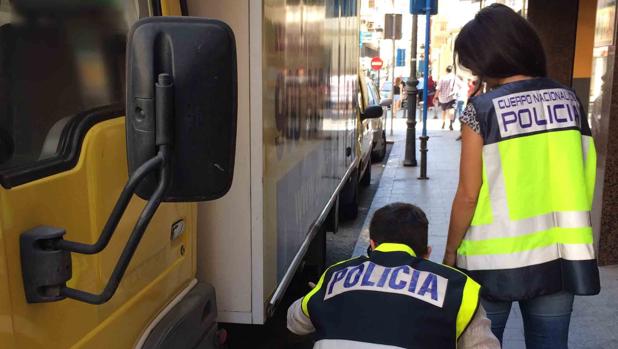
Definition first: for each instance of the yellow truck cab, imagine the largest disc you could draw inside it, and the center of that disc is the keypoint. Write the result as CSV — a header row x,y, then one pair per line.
x,y
63,166
117,117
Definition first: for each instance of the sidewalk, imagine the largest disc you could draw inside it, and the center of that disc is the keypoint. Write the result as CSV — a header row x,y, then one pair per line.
x,y
595,319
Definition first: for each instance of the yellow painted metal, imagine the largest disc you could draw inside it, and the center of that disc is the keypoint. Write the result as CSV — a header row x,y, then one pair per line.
x,y
171,8
80,200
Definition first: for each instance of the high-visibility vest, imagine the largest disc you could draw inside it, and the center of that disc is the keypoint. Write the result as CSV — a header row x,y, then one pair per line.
x,y
531,232
391,298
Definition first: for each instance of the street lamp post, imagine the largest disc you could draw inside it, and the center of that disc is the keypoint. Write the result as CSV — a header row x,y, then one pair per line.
x,y
410,153
424,138
393,73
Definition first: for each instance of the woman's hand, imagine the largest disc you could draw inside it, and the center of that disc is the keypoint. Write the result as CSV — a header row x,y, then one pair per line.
x,y
450,258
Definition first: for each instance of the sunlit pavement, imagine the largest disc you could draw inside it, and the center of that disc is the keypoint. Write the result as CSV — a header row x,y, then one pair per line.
x,y
595,319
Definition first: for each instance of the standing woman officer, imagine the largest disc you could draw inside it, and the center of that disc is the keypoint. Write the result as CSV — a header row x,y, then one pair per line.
x,y
520,222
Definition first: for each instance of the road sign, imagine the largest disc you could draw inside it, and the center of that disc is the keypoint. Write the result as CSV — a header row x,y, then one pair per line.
x,y
417,7
376,63
366,36
401,57
392,26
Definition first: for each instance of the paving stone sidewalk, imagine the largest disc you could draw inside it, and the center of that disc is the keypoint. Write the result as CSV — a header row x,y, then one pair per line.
x,y
594,323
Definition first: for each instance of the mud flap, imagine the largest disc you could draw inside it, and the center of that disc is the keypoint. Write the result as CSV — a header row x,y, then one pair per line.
x,y
192,323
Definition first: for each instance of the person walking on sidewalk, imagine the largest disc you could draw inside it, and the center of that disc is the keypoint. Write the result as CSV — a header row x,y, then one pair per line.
x,y
403,92
395,298
520,221
445,96
431,93
396,96
461,96
420,87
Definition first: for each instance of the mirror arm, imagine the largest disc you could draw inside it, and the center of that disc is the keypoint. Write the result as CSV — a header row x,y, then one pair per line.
x,y
115,216
164,90
46,257
137,234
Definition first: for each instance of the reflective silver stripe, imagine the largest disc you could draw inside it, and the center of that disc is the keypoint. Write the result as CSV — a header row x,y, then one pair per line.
x,y
345,344
496,186
506,228
573,252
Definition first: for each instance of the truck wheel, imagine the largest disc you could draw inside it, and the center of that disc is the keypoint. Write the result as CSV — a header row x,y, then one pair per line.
x,y
332,220
366,178
348,199
315,259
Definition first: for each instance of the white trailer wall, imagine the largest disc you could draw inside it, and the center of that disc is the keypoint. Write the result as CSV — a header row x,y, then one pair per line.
x,y
296,140
224,226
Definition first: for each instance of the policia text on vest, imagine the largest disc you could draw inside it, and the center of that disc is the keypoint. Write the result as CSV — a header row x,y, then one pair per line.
x,y
531,233
536,111
403,280
392,299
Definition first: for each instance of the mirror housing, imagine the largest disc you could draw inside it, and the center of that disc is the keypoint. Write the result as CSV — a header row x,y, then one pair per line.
x,y
372,112
386,102
182,93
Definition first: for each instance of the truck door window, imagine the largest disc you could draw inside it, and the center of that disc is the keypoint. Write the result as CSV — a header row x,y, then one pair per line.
x,y
58,61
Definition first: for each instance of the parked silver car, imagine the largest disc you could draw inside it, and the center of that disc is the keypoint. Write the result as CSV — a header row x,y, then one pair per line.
x,y
376,127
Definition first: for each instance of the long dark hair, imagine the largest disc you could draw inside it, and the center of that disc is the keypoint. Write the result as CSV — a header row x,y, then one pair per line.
x,y
499,43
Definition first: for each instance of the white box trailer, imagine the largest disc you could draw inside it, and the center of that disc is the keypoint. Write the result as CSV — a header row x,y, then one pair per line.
x,y
299,140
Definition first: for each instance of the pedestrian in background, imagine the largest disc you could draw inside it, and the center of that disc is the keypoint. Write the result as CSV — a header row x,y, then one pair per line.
x,y
520,221
461,96
396,297
420,86
403,92
431,92
396,96
445,96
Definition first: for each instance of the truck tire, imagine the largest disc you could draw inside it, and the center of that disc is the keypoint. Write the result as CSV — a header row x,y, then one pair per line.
x,y
348,199
315,259
366,178
332,220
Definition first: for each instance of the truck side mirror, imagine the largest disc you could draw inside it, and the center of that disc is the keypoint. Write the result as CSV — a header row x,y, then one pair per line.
x,y
181,94
181,135
372,112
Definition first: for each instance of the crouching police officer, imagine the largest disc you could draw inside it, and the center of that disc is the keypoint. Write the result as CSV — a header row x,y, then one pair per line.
x,y
395,298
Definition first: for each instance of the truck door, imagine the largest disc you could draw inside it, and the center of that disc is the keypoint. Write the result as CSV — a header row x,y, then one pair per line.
x,y
63,164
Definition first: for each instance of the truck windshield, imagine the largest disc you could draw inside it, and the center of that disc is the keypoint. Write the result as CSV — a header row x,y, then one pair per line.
x,y
57,59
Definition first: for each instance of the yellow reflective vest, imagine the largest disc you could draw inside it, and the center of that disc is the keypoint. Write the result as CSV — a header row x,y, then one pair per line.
x,y
531,232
